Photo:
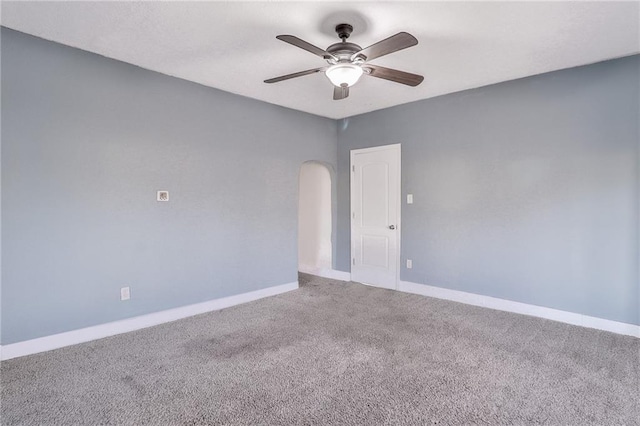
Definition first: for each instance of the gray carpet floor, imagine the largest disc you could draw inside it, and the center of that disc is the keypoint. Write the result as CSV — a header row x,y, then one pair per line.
x,y
334,353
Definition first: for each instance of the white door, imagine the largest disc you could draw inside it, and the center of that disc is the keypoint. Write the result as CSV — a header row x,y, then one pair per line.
x,y
375,215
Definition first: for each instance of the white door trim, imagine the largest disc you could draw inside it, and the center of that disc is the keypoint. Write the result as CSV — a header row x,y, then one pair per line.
x,y
353,152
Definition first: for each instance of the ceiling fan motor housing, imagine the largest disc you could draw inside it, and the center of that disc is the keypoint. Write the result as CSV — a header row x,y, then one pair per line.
x,y
343,51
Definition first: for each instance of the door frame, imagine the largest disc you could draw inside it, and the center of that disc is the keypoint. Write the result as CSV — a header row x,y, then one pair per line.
x,y
396,147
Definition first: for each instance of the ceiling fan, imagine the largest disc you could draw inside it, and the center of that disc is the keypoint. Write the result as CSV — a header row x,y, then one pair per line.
x,y
348,61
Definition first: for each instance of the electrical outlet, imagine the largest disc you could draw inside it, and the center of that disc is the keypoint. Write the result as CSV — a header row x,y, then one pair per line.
x,y
125,294
409,264
162,196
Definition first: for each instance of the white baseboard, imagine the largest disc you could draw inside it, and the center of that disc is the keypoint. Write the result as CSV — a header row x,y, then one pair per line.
x,y
82,335
325,273
521,308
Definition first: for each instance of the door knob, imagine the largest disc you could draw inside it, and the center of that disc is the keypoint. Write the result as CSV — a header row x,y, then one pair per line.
x,y
392,227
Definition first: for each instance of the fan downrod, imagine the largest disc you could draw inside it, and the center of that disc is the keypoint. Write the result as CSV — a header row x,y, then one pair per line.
x,y
344,31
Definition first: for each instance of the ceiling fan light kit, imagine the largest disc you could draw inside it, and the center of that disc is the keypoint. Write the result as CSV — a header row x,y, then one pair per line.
x,y
348,61
344,75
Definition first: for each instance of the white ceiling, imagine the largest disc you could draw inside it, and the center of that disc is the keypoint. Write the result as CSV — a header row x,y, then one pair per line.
x,y
232,45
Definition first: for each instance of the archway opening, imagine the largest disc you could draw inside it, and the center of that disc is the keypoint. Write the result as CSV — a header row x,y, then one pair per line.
x,y
314,219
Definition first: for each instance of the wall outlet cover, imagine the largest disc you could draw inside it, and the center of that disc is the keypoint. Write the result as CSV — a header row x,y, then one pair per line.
x,y
163,196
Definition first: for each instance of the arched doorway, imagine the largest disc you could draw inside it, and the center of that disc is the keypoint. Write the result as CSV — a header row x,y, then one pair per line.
x,y
314,218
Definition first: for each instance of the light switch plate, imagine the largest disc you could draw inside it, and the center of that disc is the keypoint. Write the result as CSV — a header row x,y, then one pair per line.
x,y
409,198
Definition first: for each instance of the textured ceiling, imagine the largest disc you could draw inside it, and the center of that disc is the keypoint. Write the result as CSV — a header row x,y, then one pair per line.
x,y
232,45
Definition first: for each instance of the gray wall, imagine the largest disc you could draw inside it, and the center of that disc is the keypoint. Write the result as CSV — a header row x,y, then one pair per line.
x,y
87,141
526,190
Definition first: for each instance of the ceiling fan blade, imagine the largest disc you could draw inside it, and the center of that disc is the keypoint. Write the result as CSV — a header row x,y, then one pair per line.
x,y
306,46
394,75
340,92
388,45
294,75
